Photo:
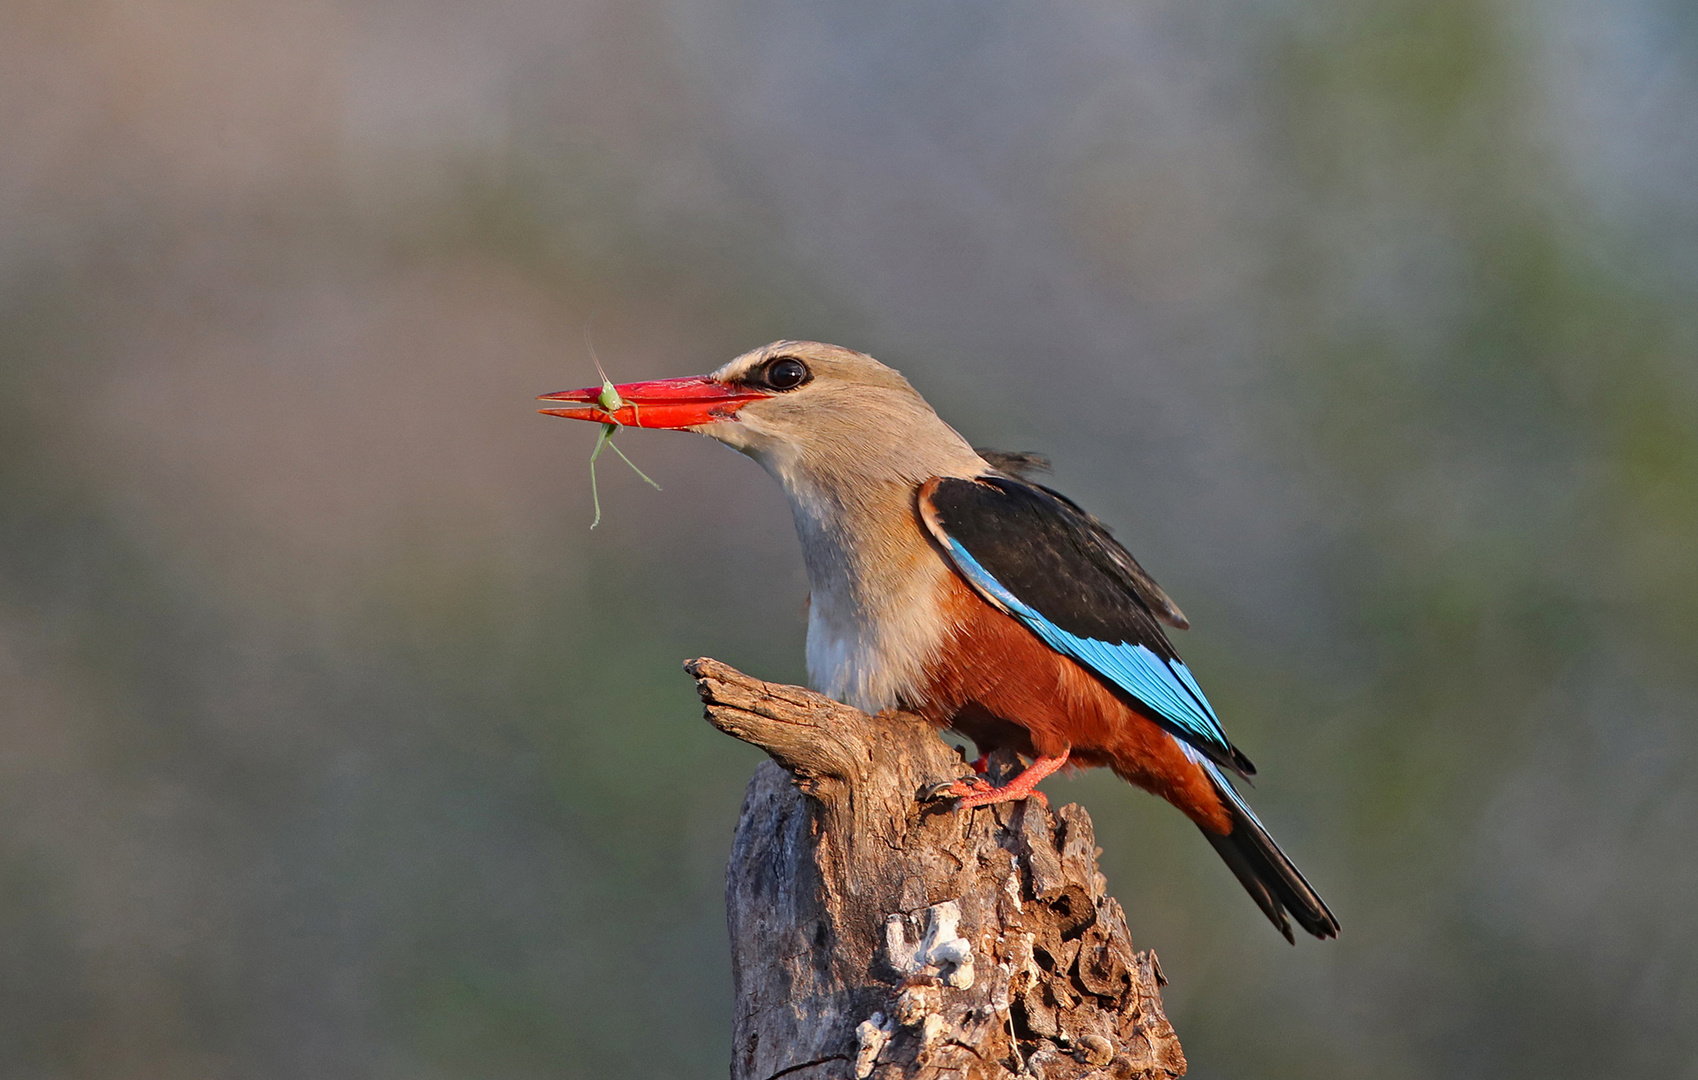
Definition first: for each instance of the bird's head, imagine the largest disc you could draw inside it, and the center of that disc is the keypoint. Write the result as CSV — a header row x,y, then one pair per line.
x,y
800,408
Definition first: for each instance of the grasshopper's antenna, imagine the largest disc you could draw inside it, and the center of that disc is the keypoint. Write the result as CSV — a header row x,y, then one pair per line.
x,y
589,343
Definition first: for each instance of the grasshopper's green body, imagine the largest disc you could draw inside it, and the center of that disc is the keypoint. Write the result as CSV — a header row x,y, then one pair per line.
x,y
611,402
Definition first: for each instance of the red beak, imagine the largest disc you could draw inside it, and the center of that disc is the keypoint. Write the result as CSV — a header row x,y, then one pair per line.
x,y
666,403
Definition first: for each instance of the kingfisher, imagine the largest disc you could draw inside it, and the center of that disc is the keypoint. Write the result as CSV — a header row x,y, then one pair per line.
x,y
948,582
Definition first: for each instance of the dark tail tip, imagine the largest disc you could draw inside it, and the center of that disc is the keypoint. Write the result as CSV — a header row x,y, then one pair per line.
x,y
1269,877
1242,764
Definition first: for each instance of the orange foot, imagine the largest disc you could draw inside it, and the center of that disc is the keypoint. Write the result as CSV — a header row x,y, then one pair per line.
x,y
976,792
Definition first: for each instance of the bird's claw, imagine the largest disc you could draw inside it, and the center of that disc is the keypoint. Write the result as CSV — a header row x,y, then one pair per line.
x,y
954,789
975,791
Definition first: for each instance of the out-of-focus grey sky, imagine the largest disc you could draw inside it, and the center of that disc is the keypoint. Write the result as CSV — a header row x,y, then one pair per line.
x,y
333,743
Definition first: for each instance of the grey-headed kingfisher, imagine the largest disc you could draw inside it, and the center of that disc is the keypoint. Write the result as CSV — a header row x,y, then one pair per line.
x,y
945,581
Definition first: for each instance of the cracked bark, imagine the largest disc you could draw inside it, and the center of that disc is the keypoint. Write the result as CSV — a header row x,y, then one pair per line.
x,y
873,935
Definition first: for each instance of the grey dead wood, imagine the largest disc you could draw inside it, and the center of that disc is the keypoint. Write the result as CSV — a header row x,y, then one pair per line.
x,y
877,935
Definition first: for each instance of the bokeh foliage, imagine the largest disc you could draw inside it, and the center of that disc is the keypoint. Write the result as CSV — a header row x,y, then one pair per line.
x,y
335,743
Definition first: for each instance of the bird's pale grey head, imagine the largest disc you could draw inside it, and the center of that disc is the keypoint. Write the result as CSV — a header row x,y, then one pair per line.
x,y
830,412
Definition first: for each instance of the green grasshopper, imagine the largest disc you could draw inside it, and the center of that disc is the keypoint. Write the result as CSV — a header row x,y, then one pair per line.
x,y
610,402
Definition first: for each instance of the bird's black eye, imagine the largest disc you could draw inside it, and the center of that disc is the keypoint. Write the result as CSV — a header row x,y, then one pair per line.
x,y
785,373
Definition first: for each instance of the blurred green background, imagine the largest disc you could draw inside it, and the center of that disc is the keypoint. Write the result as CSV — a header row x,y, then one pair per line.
x,y
336,745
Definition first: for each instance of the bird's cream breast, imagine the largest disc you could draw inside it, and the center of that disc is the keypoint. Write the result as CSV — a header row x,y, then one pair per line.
x,y
874,654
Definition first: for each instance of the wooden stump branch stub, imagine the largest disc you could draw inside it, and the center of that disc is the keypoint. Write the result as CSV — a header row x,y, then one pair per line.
x,y
874,935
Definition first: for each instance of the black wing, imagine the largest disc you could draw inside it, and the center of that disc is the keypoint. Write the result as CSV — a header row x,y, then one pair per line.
x,y
1025,465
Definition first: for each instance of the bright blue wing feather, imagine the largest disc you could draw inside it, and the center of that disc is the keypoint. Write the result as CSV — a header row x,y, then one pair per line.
x,y
1164,685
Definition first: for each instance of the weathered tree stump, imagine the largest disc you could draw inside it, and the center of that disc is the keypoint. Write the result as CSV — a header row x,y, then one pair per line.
x,y
875,935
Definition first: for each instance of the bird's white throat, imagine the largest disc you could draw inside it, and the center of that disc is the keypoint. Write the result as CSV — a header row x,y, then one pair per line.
x,y
874,617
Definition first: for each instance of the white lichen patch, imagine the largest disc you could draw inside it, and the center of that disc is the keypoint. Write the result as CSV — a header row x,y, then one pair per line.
x,y
871,1037
942,951
930,1028
1011,885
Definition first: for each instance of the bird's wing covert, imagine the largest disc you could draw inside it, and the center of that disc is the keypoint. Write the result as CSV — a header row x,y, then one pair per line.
x,y
1042,560
1025,465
